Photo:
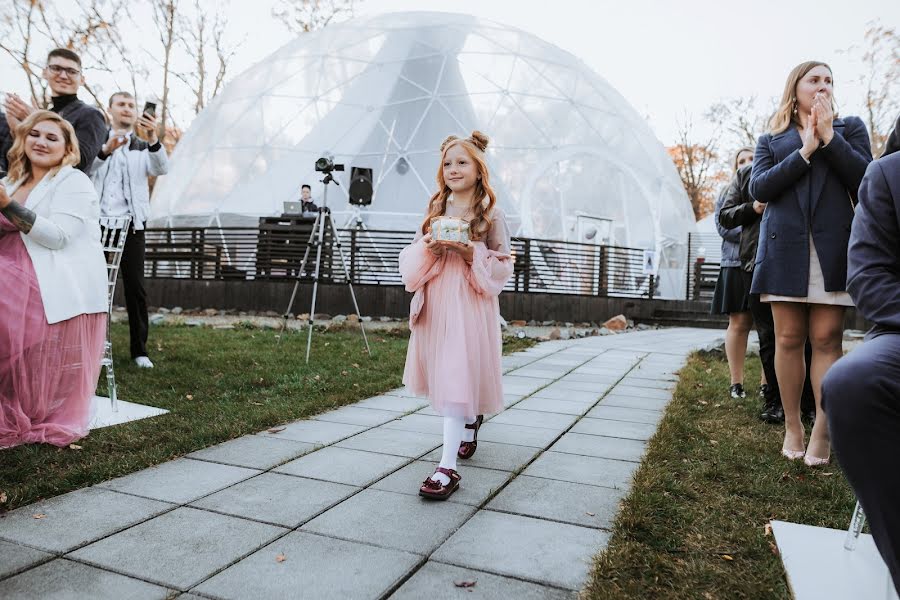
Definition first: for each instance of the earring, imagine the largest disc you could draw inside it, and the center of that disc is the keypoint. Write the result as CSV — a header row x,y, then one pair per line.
x,y
794,100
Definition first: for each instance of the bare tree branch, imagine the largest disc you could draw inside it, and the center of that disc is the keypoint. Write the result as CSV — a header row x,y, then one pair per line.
x,y
303,16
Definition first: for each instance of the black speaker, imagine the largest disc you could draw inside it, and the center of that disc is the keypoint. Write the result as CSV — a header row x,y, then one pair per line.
x,y
361,186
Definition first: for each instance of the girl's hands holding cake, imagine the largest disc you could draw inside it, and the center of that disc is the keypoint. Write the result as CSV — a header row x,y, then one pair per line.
x,y
435,247
466,251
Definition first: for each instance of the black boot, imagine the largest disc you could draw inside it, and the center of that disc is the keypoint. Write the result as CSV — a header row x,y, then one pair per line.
x,y
737,391
772,411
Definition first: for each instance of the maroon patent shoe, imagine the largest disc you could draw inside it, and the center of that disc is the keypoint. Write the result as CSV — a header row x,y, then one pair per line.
x,y
467,449
435,490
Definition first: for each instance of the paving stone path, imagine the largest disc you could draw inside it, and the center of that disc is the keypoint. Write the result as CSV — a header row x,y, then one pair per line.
x,y
328,507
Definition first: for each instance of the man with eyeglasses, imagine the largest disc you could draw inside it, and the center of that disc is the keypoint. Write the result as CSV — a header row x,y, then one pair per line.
x,y
63,74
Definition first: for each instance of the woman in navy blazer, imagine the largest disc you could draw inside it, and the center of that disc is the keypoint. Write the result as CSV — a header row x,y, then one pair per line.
x,y
807,170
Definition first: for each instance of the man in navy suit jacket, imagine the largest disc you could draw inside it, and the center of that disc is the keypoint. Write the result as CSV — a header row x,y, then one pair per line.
x,y
861,392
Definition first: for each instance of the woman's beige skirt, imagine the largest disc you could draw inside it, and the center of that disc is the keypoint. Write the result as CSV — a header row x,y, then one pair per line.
x,y
815,293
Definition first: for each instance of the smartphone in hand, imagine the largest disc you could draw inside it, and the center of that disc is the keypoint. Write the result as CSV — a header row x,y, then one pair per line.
x,y
150,109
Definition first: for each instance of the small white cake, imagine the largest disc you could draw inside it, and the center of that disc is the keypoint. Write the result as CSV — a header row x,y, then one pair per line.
x,y
450,229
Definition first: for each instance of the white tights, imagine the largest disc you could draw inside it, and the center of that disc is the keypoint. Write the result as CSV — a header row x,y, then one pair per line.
x,y
454,432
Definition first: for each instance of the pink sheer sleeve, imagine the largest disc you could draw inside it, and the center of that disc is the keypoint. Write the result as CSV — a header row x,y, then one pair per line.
x,y
492,265
418,265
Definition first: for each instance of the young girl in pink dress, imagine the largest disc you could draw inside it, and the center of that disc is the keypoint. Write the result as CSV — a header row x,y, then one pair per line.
x,y
455,344
53,301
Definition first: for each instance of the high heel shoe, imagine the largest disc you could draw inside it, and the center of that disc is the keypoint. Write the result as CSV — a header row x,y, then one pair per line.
x,y
792,454
815,461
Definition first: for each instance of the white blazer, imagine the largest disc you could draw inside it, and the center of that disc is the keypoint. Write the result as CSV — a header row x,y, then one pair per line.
x,y
64,245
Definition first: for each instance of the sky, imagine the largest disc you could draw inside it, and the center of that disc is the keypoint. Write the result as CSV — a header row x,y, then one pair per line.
x,y
668,59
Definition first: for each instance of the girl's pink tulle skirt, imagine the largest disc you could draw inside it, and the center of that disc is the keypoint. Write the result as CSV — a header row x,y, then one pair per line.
x,y
48,373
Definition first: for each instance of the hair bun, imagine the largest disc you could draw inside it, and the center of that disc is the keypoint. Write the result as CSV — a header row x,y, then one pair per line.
x,y
447,141
480,140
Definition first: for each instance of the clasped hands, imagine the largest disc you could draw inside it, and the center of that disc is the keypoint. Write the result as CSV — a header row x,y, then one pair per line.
x,y
17,110
819,126
438,247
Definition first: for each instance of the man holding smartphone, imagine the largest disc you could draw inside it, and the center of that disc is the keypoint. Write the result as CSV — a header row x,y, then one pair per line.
x,y
132,153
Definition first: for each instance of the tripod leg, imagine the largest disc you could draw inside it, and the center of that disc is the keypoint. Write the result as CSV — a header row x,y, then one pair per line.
x,y
334,236
320,222
290,305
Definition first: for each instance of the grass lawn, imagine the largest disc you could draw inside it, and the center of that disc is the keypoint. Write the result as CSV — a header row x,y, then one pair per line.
x,y
218,385
694,523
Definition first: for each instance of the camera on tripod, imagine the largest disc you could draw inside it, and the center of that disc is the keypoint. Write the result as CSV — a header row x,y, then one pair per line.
x,y
326,165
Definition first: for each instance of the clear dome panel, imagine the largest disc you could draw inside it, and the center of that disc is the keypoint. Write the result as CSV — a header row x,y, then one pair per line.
x,y
383,92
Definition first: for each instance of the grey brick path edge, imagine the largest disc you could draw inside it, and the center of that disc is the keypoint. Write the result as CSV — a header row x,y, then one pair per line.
x,y
179,549
179,481
76,518
314,567
343,465
254,451
542,551
67,580
15,558
437,581
574,503
277,499
392,520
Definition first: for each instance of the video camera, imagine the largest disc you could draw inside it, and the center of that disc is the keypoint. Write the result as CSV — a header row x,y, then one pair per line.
x,y
326,165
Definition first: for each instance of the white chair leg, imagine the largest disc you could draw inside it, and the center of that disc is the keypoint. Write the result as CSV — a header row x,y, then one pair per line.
x,y
856,525
110,378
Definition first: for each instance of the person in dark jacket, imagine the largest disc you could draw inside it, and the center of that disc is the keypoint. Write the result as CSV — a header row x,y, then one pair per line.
x,y
5,144
893,141
807,169
861,392
63,74
740,210
732,291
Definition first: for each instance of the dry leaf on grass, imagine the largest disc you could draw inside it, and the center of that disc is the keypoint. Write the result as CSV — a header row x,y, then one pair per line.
x,y
189,396
257,403
275,429
74,447
465,584
768,529
38,516
3,497
727,557
280,558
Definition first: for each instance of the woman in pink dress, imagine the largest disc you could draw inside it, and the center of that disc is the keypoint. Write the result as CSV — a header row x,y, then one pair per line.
x,y
53,304
455,344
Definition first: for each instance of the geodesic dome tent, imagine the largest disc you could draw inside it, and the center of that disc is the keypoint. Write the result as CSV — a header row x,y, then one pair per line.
x,y
383,92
